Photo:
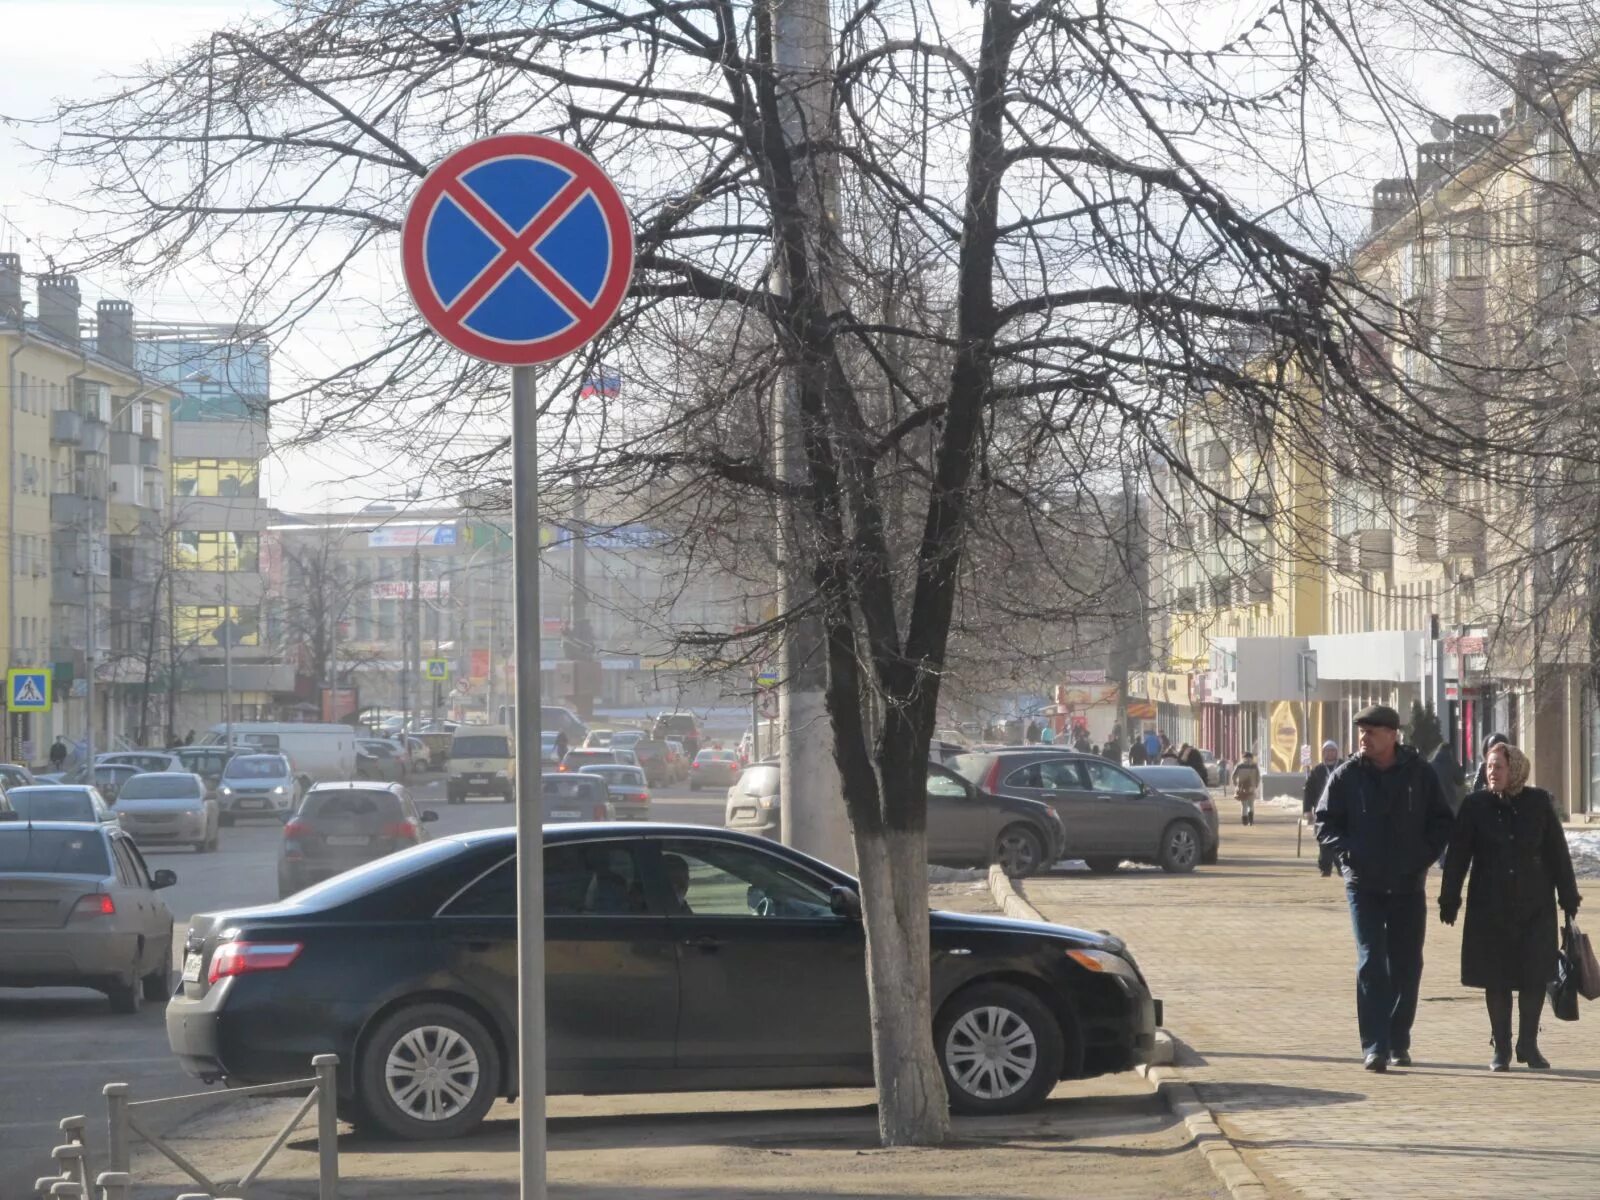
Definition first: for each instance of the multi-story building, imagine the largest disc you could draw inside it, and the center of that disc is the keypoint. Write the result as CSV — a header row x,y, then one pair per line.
x,y
219,662
86,437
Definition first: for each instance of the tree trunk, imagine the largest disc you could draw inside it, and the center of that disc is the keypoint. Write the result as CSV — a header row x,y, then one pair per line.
x,y
913,1109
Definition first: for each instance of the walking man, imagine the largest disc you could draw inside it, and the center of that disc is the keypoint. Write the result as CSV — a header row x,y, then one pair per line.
x,y
58,754
1384,819
1315,783
1246,786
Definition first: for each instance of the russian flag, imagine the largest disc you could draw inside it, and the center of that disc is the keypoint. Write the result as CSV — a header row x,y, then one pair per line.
x,y
602,385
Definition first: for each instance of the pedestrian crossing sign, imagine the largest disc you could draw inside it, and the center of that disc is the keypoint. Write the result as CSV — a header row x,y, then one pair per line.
x,y
436,669
28,689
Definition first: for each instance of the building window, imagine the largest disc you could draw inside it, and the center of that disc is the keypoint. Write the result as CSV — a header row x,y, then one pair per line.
x,y
209,550
215,477
1469,248
210,625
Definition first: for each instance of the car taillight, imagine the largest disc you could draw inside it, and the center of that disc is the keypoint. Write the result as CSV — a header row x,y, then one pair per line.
x,y
991,781
1207,805
400,829
563,767
243,958
95,906
293,830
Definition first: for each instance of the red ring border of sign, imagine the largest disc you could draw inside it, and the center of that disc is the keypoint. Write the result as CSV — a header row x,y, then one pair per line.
x,y
522,145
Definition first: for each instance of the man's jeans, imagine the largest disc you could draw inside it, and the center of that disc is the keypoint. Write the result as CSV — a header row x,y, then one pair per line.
x,y
1389,933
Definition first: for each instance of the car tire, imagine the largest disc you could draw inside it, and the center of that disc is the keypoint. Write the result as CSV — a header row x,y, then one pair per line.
x,y
1180,848
407,1037
157,986
127,995
1103,866
1019,851
1033,1048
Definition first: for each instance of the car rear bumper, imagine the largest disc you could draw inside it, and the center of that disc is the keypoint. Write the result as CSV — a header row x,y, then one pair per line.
x,y
478,785
63,958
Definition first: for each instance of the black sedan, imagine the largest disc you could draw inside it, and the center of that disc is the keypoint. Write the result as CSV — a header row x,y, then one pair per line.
x,y
678,958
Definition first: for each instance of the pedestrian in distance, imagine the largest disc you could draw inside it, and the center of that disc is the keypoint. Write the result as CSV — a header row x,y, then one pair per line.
x,y
1112,750
58,753
1081,742
1046,735
1481,781
1031,733
1452,779
1136,754
1508,837
1316,782
1384,819
1246,787
1169,753
1152,747
1194,760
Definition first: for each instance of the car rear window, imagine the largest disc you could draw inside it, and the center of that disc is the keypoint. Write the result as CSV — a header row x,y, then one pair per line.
x,y
591,756
362,802
480,745
568,787
53,851
207,763
616,774
52,805
160,787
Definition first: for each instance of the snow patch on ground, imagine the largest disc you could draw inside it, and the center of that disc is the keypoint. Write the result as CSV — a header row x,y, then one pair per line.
x,y
1585,847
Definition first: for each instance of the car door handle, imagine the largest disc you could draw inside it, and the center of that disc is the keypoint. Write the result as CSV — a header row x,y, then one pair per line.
x,y
703,942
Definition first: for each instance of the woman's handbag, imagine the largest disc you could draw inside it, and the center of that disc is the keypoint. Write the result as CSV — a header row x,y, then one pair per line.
x,y
1563,989
1585,965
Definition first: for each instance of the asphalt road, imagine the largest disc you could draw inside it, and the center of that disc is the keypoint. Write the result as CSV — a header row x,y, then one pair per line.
x,y
60,1046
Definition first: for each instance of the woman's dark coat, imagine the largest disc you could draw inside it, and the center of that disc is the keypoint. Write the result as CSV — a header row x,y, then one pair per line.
x,y
1518,857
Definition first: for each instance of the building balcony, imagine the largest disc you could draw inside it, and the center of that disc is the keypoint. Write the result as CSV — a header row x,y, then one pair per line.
x,y
1375,549
74,510
96,436
66,427
1464,534
150,451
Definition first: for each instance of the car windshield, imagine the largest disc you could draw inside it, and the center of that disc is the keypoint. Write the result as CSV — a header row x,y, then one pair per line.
x,y
617,775
353,802
52,851
52,804
258,766
480,745
160,787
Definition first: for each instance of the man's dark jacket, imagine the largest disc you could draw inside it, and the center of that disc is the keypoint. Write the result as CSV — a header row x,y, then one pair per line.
x,y
1315,782
1384,828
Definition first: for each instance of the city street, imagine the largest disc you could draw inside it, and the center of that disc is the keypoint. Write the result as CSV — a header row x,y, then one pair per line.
x,y
74,1044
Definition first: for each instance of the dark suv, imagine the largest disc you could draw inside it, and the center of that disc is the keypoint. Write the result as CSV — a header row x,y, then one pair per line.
x,y
680,725
342,825
1109,814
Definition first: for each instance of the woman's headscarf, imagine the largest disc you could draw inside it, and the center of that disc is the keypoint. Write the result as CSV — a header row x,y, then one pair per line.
x,y
1520,766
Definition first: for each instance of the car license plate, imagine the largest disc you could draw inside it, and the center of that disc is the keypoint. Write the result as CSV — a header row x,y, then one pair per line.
x,y
252,804
566,814
191,967
347,839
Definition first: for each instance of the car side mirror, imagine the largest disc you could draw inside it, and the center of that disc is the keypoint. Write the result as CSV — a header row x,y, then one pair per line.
x,y
164,878
429,816
844,902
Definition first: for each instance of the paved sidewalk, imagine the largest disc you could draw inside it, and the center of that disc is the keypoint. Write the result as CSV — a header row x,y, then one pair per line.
x,y
1256,963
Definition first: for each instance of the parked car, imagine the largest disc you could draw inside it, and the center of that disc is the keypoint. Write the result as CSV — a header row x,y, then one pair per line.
x,y
78,908
681,725
483,762
628,787
15,775
258,785
61,802
208,762
1185,784
577,796
652,758
342,825
718,960
380,759
106,778
169,806
144,760
576,760
714,768
967,827
1109,814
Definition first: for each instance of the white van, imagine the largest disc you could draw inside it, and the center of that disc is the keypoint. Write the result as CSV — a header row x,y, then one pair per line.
x,y
321,753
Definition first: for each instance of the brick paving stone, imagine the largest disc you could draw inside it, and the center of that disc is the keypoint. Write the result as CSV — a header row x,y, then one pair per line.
x,y
1255,960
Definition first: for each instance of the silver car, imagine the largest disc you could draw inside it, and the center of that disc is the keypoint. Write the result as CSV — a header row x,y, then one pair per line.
x,y
258,785
144,760
575,796
61,802
169,807
754,804
79,908
628,788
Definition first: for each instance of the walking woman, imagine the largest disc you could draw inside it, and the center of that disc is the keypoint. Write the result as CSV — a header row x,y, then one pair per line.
x,y
1511,839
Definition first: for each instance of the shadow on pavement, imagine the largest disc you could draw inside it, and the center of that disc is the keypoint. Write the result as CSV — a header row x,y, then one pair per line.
x,y
1241,1097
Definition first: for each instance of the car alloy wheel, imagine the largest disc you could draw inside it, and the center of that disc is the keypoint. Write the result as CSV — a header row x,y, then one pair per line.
x,y
1180,848
991,1052
1018,851
1000,1049
432,1073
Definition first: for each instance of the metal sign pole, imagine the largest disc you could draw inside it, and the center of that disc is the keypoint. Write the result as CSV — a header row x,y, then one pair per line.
x,y
530,801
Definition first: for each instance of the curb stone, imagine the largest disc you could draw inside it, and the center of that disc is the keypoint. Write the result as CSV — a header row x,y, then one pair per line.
x,y
1163,1076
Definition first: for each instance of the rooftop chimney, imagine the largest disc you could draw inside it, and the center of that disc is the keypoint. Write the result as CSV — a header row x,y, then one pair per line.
x,y
113,331
11,288
1391,199
1537,74
58,306
1433,163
